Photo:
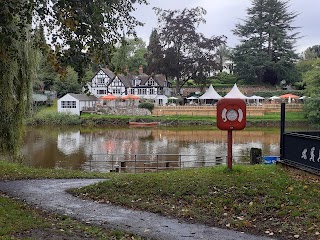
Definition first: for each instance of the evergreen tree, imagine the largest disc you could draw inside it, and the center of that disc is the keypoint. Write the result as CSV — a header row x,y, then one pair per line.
x,y
266,52
154,56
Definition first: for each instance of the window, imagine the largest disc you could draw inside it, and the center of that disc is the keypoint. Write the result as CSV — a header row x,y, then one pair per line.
x,y
151,91
132,91
142,91
100,80
102,92
116,91
68,104
151,83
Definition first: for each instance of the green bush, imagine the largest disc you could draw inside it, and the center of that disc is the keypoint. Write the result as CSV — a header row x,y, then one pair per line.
x,y
54,118
312,110
146,105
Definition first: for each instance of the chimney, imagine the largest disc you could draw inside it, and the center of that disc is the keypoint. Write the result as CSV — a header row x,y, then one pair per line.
x,y
140,70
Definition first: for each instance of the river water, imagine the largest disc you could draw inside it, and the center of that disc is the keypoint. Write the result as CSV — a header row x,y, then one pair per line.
x,y
136,149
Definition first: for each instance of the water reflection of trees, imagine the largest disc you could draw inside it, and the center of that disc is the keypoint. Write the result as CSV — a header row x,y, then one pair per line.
x,y
74,147
217,136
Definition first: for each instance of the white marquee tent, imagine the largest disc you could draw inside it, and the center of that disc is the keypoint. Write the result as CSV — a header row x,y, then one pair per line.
x,y
210,94
235,93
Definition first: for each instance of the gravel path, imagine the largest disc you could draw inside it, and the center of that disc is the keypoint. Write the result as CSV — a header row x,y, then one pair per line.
x,y
50,195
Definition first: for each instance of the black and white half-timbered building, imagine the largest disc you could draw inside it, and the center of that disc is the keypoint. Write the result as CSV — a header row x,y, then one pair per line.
x,y
145,86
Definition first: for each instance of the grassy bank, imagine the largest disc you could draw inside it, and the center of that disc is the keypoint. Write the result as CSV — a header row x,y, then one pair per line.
x,y
20,221
53,118
261,199
50,116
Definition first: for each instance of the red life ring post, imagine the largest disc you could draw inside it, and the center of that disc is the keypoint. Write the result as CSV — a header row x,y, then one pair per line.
x,y
231,115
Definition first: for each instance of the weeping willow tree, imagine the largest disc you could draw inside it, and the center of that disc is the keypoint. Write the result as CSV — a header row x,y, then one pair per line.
x,y
18,61
74,26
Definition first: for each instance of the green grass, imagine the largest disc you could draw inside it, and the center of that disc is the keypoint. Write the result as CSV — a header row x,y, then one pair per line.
x,y
16,171
49,115
19,221
290,116
255,199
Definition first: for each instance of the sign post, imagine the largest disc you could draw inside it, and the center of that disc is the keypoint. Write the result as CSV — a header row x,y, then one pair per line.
x,y
230,149
231,115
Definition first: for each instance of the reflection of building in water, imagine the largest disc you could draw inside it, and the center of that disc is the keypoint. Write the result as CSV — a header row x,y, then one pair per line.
x,y
127,149
110,148
69,142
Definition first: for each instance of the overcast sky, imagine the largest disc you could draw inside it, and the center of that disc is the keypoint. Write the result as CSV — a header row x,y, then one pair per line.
x,y
222,16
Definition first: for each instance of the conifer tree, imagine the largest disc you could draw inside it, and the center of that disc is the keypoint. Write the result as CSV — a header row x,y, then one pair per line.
x,y
155,54
266,52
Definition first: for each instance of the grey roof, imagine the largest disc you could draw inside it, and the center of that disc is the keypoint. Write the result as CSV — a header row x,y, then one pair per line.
x,y
160,79
84,97
126,80
144,78
109,73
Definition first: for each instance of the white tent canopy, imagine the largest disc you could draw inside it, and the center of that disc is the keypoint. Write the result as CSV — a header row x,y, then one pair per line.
x,y
210,94
235,93
274,97
254,97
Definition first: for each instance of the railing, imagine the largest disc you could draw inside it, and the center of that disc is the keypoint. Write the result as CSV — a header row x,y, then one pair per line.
x,y
141,163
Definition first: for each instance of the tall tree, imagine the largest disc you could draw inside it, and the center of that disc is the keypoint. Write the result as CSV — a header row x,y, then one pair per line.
x,y
67,83
80,25
129,56
223,54
177,31
266,52
46,74
312,52
155,54
310,70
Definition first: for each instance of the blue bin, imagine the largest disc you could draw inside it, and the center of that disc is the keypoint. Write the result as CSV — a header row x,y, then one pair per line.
x,y
270,159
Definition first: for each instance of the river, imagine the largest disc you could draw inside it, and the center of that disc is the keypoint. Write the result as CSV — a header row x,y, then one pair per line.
x,y
123,148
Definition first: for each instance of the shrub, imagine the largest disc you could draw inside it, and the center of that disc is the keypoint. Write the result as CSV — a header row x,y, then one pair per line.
x,y
312,110
146,105
54,118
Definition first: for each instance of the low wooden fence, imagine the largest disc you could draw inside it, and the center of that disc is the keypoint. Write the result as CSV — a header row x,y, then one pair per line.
x,y
211,110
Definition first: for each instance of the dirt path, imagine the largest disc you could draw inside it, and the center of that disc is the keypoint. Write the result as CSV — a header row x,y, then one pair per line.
x,y
50,195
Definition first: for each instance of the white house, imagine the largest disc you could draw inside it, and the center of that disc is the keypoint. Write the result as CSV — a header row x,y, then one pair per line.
x,y
143,85
75,103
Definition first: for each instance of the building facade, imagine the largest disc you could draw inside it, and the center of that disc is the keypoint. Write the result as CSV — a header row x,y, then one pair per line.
x,y
145,86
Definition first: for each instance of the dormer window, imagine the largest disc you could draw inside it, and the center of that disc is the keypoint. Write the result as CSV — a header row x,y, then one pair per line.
x,y
137,81
100,80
